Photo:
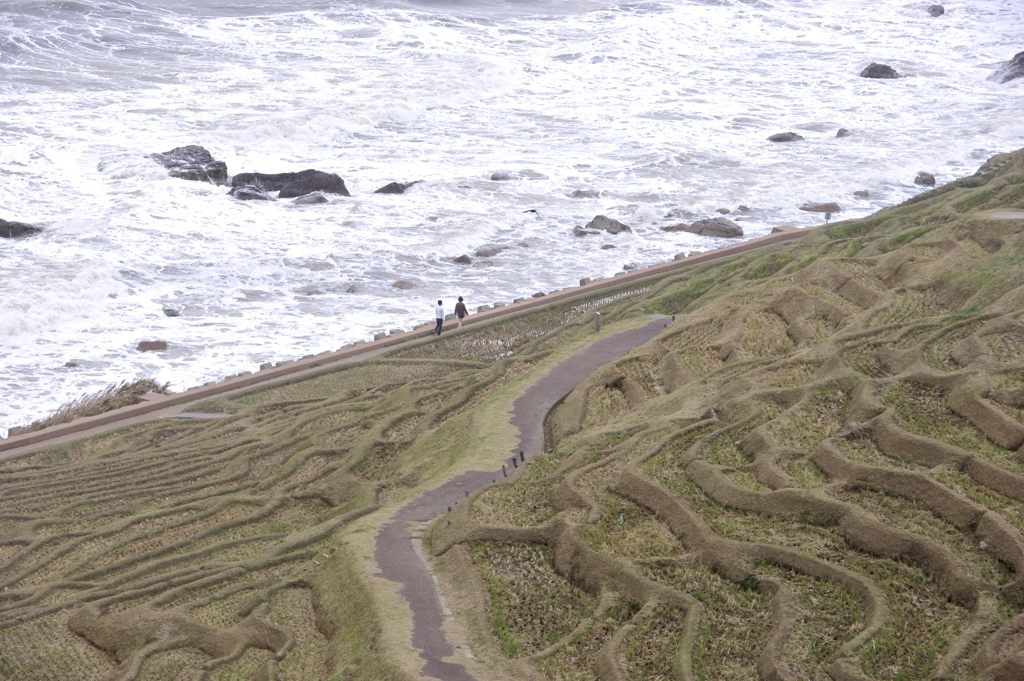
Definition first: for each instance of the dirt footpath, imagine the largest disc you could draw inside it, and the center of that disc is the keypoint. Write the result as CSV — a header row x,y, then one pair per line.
x,y
395,554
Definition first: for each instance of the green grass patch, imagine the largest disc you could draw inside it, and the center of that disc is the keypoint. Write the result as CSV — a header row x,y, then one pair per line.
x,y
679,300
974,200
532,607
768,265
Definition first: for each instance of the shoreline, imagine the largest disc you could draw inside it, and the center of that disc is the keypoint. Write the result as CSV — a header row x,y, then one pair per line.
x,y
154,404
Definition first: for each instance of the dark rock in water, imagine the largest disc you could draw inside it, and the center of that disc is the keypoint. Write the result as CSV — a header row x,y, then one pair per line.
x,y
743,209
585,194
317,182
463,260
723,211
151,346
925,179
503,176
193,163
270,182
843,132
250,193
723,228
936,10
538,294
862,193
13,230
607,247
1009,70
830,207
785,137
352,289
875,70
395,188
171,312
488,252
311,198
606,224
579,231
71,365
404,285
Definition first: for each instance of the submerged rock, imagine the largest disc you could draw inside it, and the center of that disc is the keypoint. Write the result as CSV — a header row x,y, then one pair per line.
x,y
584,194
722,228
606,224
826,208
311,198
250,193
395,188
193,163
875,70
330,183
785,137
463,260
404,285
936,10
13,230
924,179
1009,70
488,251
843,132
862,193
151,346
502,176
270,182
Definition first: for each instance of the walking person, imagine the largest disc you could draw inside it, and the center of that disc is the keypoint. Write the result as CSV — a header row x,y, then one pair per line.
x,y
461,311
439,315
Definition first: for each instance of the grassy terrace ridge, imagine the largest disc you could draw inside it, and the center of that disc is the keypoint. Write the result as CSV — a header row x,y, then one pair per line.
x,y
816,472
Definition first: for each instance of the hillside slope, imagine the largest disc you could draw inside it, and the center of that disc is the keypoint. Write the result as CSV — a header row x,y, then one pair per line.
x,y
815,471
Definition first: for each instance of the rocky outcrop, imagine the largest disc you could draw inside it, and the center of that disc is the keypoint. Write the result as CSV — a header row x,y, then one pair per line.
x,y
13,230
250,193
1009,70
785,137
330,183
601,223
193,163
722,228
395,187
503,176
924,179
463,260
936,10
291,185
270,182
843,132
827,208
875,70
151,346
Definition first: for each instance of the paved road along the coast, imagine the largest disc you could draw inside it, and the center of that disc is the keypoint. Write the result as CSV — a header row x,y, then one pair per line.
x,y
395,552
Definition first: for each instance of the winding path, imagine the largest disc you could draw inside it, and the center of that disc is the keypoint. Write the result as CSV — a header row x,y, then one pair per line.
x,y
395,551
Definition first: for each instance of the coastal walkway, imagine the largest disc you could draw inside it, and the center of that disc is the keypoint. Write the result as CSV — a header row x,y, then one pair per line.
x,y
156,405
396,553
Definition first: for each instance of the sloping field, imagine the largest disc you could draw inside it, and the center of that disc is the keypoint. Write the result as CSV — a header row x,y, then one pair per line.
x,y
816,471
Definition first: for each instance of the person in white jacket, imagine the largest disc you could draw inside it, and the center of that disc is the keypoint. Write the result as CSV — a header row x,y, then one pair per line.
x,y
439,315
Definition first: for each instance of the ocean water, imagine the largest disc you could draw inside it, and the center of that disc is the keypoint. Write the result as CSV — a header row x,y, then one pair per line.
x,y
660,108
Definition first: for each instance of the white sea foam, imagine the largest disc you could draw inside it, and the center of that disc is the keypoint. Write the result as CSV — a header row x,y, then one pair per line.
x,y
659,106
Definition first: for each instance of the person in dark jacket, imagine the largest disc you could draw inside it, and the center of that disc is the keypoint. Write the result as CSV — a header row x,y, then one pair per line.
x,y
461,311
